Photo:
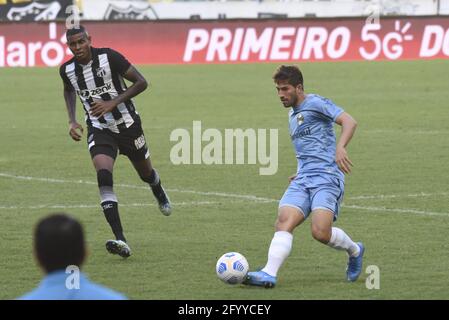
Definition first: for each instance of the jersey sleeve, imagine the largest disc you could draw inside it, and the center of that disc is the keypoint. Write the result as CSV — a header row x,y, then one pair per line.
x,y
328,109
118,62
64,77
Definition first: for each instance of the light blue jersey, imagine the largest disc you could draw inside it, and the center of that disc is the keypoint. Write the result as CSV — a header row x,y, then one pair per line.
x,y
319,183
313,137
53,287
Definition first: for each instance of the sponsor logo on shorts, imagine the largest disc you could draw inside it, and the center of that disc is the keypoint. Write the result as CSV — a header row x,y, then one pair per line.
x,y
140,142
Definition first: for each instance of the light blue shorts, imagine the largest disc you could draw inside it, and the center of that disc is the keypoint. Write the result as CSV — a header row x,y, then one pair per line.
x,y
314,192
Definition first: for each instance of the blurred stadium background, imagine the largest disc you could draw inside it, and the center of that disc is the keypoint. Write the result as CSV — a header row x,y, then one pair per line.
x,y
385,62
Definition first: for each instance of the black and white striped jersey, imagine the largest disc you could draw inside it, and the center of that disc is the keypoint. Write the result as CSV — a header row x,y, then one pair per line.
x,y
101,79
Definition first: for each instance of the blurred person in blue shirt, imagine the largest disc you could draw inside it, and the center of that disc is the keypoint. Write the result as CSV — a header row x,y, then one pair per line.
x,y
59,246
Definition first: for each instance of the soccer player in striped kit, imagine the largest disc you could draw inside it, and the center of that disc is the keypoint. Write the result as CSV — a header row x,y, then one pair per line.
x,y
97,76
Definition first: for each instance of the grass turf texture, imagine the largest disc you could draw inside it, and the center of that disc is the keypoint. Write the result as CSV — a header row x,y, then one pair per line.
x,y
395,199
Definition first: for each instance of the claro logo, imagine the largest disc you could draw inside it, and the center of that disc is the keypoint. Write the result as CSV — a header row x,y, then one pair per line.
x,y
49,52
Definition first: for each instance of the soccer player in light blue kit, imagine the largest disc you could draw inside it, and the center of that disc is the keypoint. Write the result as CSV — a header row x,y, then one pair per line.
x,y
318,186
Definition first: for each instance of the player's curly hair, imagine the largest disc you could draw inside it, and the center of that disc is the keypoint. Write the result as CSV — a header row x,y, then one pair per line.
x,y
290,73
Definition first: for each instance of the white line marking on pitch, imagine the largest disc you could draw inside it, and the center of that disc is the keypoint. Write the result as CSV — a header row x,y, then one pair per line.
x,y
390,196
219,194
196,203
382,209
88,206
230,195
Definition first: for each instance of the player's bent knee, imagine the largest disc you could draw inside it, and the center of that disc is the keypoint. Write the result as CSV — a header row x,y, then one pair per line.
x,y
104,178
321,234
147,178
288,219
152,178
284,219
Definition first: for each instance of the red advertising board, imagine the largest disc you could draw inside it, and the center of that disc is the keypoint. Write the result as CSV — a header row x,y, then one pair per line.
x,y
42,44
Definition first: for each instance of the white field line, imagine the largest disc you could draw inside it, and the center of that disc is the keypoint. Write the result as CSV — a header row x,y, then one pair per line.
x,y
392,196
401,131
221,194
89,206
197,203
413,211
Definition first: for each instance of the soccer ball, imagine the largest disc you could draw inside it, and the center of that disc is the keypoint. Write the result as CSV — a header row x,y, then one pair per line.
x,y
232,268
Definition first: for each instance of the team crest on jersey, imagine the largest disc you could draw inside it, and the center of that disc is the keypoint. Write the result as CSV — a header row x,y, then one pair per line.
x,y
300,119
101,72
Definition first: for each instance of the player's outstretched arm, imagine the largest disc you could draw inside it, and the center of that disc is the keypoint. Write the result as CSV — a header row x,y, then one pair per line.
x,y
75,129
348,126
99,108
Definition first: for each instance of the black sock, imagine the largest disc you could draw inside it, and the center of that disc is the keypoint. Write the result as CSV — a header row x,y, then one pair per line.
x,y
155,183
152,179
110,209
157,190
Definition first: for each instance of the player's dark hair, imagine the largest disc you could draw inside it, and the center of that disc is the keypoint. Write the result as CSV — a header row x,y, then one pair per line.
x,y
75,30
59,242
290,73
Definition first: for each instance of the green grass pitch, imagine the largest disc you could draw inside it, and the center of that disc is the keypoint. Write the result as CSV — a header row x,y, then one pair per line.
x,y
396,199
